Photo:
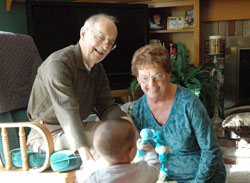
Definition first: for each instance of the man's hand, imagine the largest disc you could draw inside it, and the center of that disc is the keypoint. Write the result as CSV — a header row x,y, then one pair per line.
x,y
86,157
85,154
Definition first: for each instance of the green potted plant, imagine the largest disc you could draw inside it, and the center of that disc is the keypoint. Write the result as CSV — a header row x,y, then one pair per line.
x,y
198,80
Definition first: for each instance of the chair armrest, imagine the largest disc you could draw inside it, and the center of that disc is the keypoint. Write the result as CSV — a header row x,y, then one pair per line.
x,y
47,137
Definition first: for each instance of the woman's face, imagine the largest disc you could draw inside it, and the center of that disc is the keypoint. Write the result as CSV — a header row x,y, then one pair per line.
x,y
153,81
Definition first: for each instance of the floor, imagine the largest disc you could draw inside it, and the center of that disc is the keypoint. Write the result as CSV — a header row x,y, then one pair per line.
x,y
238,173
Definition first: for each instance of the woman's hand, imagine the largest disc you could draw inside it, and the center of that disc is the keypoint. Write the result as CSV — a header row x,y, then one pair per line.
x,y
145,147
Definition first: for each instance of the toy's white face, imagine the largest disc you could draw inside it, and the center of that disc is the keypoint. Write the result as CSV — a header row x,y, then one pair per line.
x,y
160,149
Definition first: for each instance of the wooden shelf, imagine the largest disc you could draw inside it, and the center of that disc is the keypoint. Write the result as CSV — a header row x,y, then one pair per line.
x,y
169,3
190,37
170,31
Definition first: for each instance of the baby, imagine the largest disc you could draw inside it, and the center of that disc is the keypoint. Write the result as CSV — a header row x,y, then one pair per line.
x,y
115,141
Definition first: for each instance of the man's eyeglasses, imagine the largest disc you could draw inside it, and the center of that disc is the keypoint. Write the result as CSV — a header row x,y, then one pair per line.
x,y
156,78
102,39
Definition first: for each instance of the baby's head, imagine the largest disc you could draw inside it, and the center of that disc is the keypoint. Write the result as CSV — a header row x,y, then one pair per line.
x,y
115,141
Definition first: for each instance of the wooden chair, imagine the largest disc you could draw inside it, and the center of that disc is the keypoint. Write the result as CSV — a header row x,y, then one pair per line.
x,y
125,95
10,174
19,62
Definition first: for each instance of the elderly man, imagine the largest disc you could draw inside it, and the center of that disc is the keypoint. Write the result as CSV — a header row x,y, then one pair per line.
x,y
69,84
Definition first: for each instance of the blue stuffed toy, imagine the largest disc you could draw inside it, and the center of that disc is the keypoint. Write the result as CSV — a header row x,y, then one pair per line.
x,y
146,134
161,151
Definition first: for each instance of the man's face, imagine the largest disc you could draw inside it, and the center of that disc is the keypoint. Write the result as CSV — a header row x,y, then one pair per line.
x,y
97,41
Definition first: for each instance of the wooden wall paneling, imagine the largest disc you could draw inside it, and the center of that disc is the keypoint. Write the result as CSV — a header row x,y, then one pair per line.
x,y
211,29
246,28
219,10
239,27
222,28
231,28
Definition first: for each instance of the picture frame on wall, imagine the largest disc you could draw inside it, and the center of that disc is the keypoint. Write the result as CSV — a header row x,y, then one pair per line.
x,y
175,22
189,19
157,19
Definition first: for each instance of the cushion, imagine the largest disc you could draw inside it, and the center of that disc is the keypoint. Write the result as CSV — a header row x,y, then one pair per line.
x,y
65,160
34,159
235,110
238,123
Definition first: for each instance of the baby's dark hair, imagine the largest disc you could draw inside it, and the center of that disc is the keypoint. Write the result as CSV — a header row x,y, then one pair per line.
x,y
114,139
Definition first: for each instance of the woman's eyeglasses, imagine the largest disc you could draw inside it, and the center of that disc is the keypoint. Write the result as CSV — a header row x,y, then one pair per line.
x,y
156,78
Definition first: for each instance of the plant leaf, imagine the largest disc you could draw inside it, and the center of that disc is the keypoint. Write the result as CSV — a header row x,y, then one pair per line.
x,y
133,86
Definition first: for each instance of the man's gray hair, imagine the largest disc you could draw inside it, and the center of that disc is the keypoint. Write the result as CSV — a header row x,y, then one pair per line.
x,y
94,18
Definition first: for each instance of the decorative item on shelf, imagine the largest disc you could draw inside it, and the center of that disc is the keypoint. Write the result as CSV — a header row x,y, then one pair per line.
x,y
175,22
189,19
215,49
157,19
215,44
156,41
172,50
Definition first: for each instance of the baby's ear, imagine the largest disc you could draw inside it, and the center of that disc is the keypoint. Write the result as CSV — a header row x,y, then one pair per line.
x,y
132,153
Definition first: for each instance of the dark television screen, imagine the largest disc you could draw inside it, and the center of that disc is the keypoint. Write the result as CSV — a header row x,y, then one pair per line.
x,y
55,25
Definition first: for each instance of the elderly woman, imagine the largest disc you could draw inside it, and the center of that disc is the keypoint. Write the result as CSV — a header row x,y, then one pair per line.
x,y
195,155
